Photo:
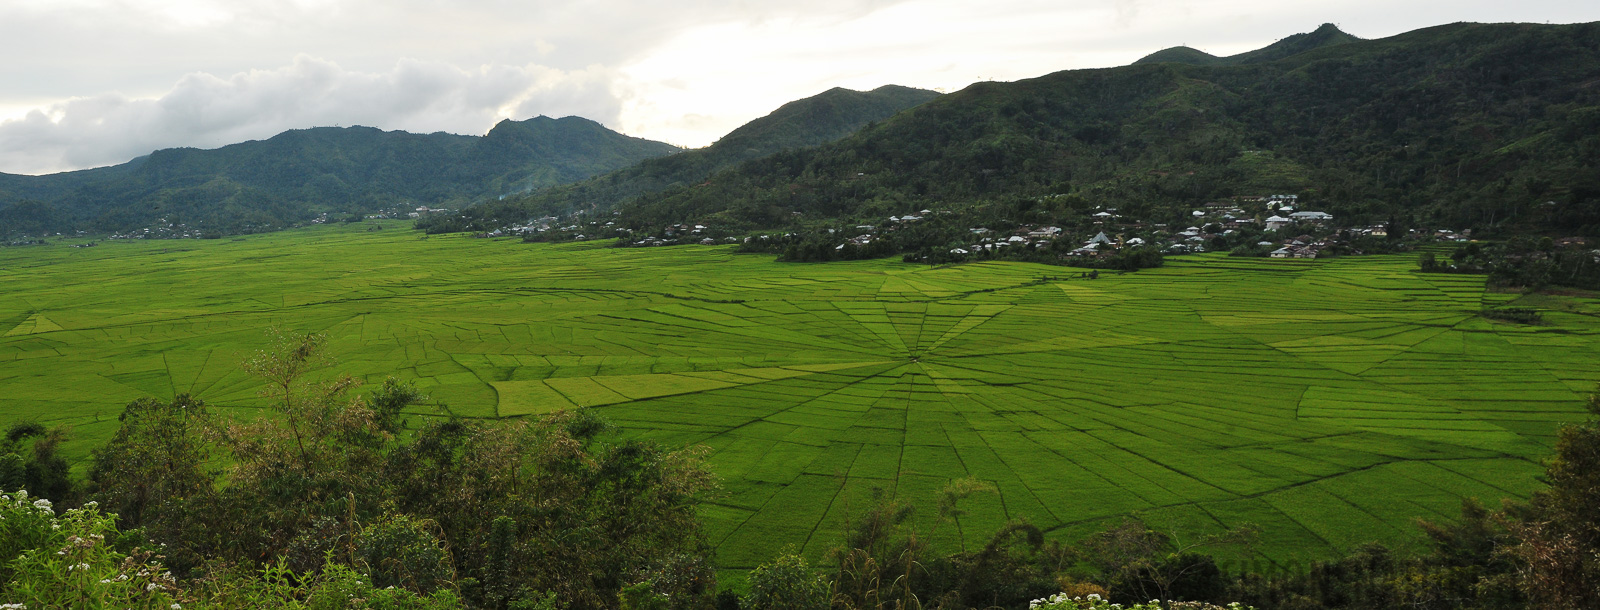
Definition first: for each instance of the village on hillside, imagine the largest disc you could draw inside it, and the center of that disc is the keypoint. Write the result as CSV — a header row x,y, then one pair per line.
x,y
1275,226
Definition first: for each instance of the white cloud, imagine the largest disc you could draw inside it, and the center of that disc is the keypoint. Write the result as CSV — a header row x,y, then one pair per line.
x,y
206,111
933,44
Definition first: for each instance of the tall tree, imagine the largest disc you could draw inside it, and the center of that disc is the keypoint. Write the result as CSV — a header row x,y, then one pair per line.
x,y
1560,538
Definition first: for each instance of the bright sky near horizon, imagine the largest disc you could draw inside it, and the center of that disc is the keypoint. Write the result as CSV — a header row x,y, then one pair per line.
x,y
97,82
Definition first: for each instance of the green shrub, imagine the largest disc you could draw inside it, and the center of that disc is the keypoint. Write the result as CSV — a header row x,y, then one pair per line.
x,y
1519,315
400,551
71,560
642,596
1061,601
25,524
337,586
786,583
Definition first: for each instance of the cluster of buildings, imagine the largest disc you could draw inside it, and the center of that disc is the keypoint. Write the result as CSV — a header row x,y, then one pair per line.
x,y
675,234
1225,219
1282,203
165,230
859,240
1101,244
1217,219
1303,246
29,240
1275,221
1025,236
423,210
532,226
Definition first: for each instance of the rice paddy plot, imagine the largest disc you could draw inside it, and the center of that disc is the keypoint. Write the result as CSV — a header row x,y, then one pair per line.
x,y
1330,401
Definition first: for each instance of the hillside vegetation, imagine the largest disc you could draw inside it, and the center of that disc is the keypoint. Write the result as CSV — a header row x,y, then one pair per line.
x,y
1488,126
1327,35
822,118
297,174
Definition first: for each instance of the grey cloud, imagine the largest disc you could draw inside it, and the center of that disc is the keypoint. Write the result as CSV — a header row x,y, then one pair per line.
x,y
204,110
550,57
78,43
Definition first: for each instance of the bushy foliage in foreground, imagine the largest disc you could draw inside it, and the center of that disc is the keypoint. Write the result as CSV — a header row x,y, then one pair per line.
x,y
79,559
1093,601
72,560
499,513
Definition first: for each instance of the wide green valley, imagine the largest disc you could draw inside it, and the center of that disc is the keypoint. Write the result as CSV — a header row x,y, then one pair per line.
x,y
1330,401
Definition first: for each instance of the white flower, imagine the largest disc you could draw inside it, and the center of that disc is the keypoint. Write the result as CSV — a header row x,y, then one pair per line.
x,y
1094,597
176,607
152,587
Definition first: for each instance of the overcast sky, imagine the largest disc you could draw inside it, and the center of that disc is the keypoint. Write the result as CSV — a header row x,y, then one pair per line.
x,y
85,83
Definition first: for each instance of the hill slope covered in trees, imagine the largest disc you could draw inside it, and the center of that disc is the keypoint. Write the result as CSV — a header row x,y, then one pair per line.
x,y
1324,36
1495,126
297,174
822,118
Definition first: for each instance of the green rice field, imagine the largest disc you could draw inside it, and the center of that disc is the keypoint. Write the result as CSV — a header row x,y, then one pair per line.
x,y
1331,402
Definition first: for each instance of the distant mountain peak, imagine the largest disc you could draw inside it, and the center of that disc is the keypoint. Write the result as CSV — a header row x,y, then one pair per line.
x,y
297,174
1325,35
823,117
817,120
1180,55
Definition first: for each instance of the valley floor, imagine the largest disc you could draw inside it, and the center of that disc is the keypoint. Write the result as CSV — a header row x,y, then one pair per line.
x,y
1331,402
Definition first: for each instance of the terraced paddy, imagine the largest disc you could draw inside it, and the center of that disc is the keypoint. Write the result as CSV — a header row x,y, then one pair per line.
x,y
1330,402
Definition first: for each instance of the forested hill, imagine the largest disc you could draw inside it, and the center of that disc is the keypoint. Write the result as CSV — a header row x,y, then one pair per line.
x,y
297,174
822,118
1327,35
1468,125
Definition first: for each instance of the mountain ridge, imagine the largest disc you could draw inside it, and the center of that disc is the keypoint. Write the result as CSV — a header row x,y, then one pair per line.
x,y
1325,35
298,173
1460,124
810,121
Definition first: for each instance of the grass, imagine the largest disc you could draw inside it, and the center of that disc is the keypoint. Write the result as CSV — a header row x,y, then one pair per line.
x,y
1330,401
